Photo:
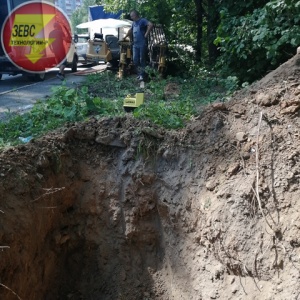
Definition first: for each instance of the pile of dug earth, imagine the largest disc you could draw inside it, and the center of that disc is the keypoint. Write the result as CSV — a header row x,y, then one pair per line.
x,y
121,209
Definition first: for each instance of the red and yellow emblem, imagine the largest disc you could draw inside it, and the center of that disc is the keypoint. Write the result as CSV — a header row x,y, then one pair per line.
x,y
36,36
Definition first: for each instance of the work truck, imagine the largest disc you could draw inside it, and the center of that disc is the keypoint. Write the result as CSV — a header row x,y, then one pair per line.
x,y
6,66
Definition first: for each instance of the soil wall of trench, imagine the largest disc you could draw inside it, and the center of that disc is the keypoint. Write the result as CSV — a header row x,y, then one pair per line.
x,y
121,209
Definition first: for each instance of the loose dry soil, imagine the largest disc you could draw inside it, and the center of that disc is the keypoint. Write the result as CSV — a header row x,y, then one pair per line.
x,y
121,209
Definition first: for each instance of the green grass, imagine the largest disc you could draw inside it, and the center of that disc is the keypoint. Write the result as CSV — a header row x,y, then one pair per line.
x,y
103,95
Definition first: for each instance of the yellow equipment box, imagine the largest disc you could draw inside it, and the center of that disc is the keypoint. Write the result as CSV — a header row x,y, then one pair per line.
x,y
98,51
133,101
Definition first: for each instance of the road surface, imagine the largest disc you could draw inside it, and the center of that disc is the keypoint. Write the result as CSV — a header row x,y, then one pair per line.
x,y
18,94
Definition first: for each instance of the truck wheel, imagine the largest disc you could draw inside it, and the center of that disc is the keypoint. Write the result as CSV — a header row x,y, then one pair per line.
x,y
74,64
40,77
36,77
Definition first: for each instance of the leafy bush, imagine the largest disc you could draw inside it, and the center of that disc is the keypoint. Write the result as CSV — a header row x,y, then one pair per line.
x,y
253,43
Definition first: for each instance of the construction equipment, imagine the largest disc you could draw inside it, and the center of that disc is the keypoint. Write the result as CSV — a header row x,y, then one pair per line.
x,y
157,47
156,52
131,102
97,50
103,45
126,64
111,48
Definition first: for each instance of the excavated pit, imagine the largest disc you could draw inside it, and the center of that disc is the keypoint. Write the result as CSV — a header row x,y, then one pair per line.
x,y
88,215
121,209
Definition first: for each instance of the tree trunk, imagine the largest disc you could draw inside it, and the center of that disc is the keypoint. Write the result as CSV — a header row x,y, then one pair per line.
x,y
213,21
199,15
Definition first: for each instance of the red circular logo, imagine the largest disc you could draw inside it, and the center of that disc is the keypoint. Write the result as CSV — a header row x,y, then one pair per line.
x,y
36,36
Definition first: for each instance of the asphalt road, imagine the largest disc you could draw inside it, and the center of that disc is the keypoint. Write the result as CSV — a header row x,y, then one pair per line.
x,y
18,94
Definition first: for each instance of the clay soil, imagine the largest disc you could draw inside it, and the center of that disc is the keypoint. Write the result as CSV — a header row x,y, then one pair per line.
x,y
121,209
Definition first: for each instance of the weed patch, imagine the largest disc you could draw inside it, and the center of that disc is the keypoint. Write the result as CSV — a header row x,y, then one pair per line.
x,y
103,94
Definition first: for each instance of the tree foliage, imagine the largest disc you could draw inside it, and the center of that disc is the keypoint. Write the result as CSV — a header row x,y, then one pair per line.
x,y
80,15
257,38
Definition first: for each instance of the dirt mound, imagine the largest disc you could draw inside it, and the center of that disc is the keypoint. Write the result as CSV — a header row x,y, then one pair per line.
x,y
121,209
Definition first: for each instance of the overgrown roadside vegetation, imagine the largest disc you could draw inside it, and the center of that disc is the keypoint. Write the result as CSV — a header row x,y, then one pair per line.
x,y
103,94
